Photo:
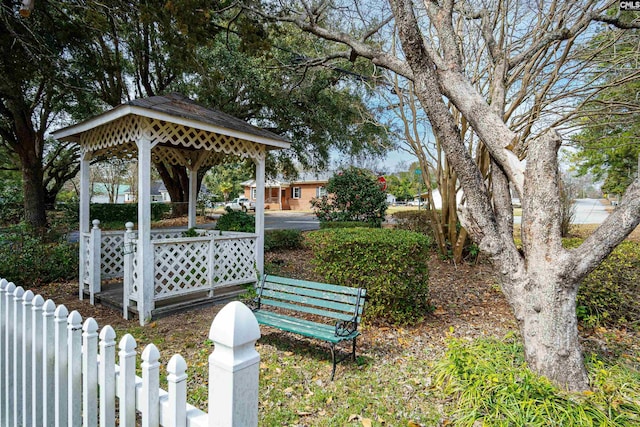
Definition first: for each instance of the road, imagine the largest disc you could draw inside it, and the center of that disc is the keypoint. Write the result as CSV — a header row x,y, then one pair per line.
x,y
587,211
291,220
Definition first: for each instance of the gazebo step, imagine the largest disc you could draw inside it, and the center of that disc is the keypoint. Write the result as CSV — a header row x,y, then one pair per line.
x,y
223,295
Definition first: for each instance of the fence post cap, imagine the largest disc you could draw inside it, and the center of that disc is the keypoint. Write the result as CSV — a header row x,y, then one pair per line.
x,y
129,226
10,288
96,223
235,325
27,297
61,312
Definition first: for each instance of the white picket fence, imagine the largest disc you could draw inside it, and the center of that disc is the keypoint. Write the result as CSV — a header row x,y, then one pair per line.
x,y
56,370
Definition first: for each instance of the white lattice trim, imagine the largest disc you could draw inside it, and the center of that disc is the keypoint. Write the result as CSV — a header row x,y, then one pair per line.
x,y
120,132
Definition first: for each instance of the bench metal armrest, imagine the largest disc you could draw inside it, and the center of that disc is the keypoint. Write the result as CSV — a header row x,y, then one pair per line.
x,y
344,328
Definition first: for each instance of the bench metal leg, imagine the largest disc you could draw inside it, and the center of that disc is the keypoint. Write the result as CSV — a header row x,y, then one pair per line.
x,y
353,352
333,360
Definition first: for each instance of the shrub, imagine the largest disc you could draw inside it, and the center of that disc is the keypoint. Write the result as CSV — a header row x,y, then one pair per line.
x,y
353,195
390,264
346,224
29,260
416,221
236,221
11,205
487,383
282,239
113,212
610,294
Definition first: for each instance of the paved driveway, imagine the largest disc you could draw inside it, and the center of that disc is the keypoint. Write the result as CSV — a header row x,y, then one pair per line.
x,y
288,220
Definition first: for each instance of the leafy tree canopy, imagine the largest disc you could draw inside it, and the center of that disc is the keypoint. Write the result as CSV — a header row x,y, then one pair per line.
x,y
607,145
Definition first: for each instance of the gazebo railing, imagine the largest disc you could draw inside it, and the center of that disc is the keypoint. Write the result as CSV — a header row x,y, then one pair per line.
x,y
188,265
182,265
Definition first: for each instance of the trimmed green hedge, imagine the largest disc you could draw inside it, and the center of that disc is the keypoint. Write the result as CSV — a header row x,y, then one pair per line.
x,y
236,221
115,212
282,239
610,294
390,264
418,221
347,224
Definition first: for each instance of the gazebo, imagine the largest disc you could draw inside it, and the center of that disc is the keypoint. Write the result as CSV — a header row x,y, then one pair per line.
x,y
174,130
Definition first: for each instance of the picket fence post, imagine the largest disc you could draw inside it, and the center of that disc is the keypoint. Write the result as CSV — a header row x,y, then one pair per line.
x,y
107,377
126,381
27,346
89,373
74,376
17,361
177,380
48,363
37,359
234,367
7,363
3,374
61,368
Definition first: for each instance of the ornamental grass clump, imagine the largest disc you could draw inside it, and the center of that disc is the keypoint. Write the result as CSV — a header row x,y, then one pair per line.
x,y
487,382
390,264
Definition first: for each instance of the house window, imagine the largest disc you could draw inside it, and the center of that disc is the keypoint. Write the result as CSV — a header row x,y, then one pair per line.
x,y
321,191
253,193
296,192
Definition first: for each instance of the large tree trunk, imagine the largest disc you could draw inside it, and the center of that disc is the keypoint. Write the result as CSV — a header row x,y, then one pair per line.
x,y
176,179
550,330
34,200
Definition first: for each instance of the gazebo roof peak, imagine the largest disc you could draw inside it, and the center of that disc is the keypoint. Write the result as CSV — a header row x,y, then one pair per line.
x,y
180,110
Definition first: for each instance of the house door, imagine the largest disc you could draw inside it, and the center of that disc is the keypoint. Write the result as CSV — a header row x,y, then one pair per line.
x,y
284,200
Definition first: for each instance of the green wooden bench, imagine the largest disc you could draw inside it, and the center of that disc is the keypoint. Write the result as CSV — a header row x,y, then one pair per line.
x,y
326,312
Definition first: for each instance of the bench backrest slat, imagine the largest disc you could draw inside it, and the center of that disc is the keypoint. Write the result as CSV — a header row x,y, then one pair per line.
x,y
316,302
331,301
306,309
313,285
314,293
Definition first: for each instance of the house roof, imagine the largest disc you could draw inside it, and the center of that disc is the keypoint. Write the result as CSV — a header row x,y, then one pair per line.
x,y
303,178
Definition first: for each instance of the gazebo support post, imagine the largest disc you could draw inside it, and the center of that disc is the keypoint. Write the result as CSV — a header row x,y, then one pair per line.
x,y
85,199
144,248
260,183
193,193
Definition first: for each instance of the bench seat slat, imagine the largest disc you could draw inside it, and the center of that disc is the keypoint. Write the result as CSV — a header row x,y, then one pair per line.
x,y
305,309
302,327
309,301
313,285
315,293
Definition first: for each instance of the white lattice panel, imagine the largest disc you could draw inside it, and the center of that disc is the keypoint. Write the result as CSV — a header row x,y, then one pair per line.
x,y
86,237
234,261
180,267
184,136
112,255
116,133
